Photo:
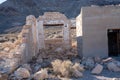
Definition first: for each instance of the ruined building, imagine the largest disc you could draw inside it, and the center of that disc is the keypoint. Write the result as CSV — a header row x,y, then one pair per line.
x,y
98,31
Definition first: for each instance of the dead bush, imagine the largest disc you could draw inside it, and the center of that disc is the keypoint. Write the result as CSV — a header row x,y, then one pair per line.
x,y
66,68
78,67
56,66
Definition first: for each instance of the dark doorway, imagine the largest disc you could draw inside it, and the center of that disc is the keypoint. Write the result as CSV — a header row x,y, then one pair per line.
x,y
114,42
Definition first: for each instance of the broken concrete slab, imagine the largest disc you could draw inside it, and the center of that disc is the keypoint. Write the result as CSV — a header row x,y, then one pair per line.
x,y
98,69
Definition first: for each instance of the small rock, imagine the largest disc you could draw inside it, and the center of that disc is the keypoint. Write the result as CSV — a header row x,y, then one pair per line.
x,y
113,67
98,69
77,74
7,49
40,75
22,73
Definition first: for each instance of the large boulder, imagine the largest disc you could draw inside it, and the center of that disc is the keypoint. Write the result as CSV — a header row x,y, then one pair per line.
x,y
22,73
98,69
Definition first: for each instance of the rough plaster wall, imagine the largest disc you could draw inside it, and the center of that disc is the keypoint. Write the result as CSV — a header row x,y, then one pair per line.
x,y
96,22
79,34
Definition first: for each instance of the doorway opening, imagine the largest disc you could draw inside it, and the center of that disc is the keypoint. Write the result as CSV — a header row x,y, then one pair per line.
x,y
53,35
114,42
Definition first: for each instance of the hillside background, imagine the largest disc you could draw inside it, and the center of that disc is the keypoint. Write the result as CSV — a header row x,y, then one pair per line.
x,y
13,12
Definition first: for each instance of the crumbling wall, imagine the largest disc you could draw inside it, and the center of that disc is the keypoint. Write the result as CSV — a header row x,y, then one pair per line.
x,y
56,18
31,39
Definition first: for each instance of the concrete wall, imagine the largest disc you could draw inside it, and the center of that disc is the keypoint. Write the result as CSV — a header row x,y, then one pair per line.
x,y
95,23
79,34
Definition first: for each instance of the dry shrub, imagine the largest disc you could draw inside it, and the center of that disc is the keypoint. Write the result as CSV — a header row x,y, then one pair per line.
x,y
78,67
66,68
56,66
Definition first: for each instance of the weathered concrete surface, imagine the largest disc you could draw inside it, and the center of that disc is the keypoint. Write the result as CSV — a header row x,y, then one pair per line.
x,y
95,23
